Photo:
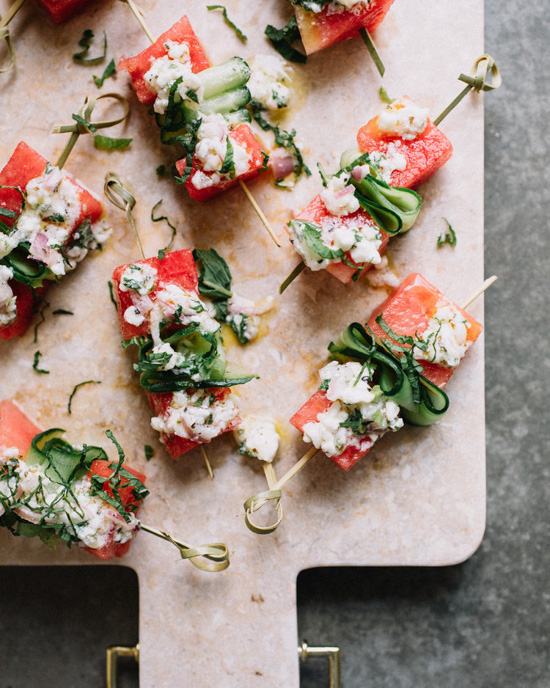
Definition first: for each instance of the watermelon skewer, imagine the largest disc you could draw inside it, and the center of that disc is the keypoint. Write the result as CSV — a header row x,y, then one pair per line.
x,y
404,150
231,102
170,303
30,236
83,484
319,402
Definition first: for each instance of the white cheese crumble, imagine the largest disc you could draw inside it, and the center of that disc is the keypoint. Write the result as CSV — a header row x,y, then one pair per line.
x,y
166,70
270,81
244,315
258,437
339,196
210,152
51,211
8,306
335,7
353,397
403,118
198,415
86,517
390,161
359,237
446,337
140,278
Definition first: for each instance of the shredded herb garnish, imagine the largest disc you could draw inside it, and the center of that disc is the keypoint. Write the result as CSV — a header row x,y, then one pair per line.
x,y
164,250
148,452
214,279
384,97
282,40
85,43
161,170
42,319
84,123
108,143
62,311
76,388
449,237
36,363
109,70
228,21
112,295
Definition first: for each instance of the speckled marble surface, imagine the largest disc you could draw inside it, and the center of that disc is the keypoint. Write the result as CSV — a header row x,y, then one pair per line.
x,y
485,622
481,623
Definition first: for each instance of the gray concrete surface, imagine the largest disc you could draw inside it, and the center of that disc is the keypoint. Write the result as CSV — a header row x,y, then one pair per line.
x,y
480,624
484,623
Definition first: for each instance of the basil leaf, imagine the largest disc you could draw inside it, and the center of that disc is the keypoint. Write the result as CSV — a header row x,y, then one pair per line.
x,y
214,279
76,388
85,43
228,21
311,234
109,70
36,363
449,237
108,143
282,40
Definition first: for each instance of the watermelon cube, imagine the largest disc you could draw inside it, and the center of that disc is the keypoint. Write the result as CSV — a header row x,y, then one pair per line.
x,y
138,66
334,23
408,311
62,10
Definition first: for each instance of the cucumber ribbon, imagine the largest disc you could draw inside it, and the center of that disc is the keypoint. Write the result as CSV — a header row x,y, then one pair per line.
x,y
393,208
421,402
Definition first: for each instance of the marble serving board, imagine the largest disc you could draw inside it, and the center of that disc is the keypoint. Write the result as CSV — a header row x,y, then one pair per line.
x,y
418,498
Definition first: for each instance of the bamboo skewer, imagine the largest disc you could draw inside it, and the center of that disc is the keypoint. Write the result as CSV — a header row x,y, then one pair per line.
x,y
5,33
484,66
259,500
212,557
250,198
373,52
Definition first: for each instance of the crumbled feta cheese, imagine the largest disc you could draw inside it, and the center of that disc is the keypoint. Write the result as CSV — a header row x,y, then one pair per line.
x,y
390,161
269,82
198,415
258,438
86,517
403,118
166,70
140,278
133,316
8,306
243,315
335,7
446,337
339,196
353,398
52,208
211,148
359,236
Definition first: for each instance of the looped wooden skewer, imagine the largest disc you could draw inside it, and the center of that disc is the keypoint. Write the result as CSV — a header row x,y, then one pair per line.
x,y
369,43
257,501
211,557
253,504
120,195
84,125
259,212
5,33
484,66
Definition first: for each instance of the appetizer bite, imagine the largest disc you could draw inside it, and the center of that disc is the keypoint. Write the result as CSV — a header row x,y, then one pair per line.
x,y
323,23
48,224
200,107
389,372
346,228
55,491
182,362
404,143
